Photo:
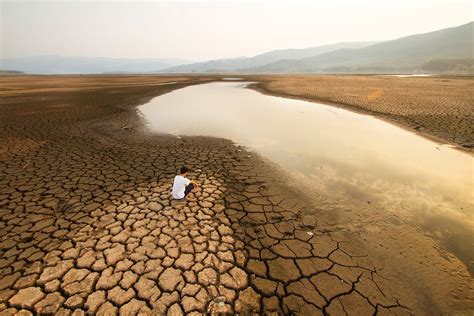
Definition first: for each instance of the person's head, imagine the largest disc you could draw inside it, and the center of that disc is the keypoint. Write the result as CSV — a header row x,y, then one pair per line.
x,y
183,170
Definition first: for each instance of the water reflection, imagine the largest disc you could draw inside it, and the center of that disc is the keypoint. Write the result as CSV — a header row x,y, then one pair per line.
x,y
332,148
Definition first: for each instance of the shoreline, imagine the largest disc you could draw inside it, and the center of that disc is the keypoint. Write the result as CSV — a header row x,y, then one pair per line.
x,y
360,110
462,255
288,186
401,120
88,201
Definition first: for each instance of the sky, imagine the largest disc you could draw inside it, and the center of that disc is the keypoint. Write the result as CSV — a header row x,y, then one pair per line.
x,y
211,29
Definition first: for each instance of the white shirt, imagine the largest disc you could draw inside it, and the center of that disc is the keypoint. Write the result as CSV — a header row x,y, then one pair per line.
x,y
179,185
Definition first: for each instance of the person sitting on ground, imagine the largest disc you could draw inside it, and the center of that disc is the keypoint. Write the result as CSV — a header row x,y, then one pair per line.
x,y
182,186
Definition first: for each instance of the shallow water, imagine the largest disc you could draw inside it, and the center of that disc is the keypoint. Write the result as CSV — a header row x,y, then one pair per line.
x,y
336,150
410,75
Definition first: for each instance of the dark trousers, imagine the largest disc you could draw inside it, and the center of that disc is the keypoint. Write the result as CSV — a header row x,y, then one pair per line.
x,y
188,189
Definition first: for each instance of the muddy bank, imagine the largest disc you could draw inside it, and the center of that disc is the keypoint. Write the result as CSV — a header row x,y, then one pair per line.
x,y
87,224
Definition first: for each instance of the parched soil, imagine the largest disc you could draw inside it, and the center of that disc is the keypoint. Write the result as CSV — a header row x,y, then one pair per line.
x,y
438,107
87,225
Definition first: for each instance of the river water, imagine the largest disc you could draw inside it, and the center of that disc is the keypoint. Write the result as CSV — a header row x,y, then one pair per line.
x,y
357,155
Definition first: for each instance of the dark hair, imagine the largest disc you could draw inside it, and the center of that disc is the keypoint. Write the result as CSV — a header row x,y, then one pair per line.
x,y
183,170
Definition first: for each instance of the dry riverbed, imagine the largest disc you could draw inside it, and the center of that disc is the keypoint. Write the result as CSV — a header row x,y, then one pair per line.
x,y
87,224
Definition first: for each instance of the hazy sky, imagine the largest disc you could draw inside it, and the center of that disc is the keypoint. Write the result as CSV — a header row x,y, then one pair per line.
x,y
202,30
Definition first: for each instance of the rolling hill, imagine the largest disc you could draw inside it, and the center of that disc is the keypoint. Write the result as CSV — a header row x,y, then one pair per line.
x,y
86,65
236,64
403,54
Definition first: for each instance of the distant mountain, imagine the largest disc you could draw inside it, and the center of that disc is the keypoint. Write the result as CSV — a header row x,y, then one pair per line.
x,y
235,64
10,72
403,54
449,48
86,65
207,66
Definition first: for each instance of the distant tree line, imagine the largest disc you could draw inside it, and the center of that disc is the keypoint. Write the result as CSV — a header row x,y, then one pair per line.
x,y
373,69
463,66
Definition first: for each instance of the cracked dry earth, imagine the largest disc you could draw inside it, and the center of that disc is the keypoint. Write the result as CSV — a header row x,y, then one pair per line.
x,y
87,225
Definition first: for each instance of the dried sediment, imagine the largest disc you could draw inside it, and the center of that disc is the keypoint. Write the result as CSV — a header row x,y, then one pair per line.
x,y
87,224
